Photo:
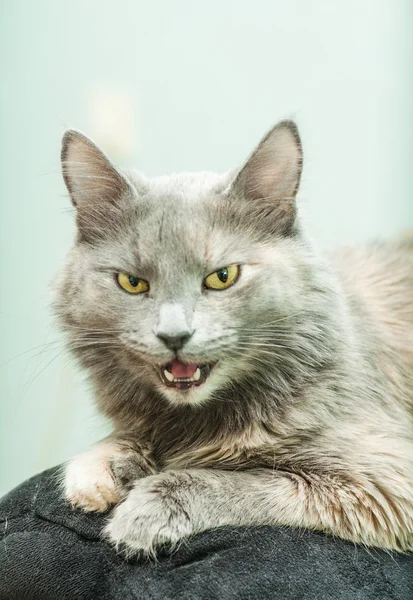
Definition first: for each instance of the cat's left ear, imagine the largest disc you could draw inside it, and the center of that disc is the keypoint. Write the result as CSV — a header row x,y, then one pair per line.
x,y
269,179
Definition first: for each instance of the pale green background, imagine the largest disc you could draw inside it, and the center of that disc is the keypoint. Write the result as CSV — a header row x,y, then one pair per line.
x,y
205,80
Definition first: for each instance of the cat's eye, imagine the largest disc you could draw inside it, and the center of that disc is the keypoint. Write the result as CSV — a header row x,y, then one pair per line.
x,y
223,278
132,284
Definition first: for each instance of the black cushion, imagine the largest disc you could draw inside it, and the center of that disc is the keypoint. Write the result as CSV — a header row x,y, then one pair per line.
x,y
50,552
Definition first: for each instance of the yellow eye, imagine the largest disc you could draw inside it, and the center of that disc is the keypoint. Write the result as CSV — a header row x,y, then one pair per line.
x,y
132,284
223,278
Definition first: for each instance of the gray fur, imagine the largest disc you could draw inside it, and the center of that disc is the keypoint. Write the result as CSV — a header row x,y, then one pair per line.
x,y
307,418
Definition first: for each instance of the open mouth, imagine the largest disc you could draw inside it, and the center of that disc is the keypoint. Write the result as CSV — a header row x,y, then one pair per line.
x,y
183,376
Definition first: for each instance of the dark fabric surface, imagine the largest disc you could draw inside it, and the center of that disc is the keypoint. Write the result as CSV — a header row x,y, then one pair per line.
x,y
50,552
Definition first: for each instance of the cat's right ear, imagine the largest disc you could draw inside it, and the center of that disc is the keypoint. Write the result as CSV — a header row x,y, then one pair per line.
x,y
95,186
89,175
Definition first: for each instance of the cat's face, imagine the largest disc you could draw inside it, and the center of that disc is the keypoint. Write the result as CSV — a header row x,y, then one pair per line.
x,y
179,280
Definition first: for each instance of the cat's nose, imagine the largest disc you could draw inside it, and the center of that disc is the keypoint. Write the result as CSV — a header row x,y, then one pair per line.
x,y
174,342
173,327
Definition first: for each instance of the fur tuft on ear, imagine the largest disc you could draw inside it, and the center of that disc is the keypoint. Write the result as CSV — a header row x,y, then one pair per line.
x,y
89,175
269,179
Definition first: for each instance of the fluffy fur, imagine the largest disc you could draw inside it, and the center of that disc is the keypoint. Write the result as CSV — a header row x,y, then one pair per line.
x,y
307,417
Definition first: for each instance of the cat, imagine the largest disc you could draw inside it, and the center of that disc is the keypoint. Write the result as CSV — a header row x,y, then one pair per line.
x,y
249,379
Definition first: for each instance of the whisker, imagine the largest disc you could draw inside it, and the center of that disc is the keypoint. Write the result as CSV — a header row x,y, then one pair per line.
x,y
28,383
257,359
261,344
44,346
267,323
259,350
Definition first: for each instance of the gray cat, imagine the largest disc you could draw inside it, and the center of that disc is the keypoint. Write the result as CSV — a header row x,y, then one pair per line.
x,y
249,380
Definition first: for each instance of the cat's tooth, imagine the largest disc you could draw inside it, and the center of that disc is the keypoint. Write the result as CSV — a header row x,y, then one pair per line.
x,y
197,375
168,375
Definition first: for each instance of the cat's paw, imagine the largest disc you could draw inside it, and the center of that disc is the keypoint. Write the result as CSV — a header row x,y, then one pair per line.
x,y
154,513
89,483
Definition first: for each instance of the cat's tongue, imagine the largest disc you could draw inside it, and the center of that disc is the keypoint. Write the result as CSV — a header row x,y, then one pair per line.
x,y
180,370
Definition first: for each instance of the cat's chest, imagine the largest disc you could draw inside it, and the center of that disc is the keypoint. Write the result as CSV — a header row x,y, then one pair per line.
x,y
224,449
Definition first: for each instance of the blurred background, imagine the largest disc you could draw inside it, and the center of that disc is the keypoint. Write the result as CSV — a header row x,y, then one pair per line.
x,y
168,86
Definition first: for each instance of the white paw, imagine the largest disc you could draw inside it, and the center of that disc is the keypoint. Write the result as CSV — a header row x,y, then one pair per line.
x,y
151,515
89,483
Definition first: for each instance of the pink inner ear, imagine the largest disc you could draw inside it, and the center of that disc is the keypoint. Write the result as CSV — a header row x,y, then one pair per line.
x,y
273,171
88,173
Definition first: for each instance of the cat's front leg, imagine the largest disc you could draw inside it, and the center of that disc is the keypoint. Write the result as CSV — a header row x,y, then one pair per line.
x,y
167,507
103,475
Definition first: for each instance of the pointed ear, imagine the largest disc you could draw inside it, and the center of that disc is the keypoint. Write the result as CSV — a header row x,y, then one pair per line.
x,y
95,186
270,178
89,175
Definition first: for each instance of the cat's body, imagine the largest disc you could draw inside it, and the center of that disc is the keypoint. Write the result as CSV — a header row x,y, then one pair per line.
x,y
304,413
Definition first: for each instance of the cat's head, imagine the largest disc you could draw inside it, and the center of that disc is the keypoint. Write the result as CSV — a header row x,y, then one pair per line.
x,y
184,283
